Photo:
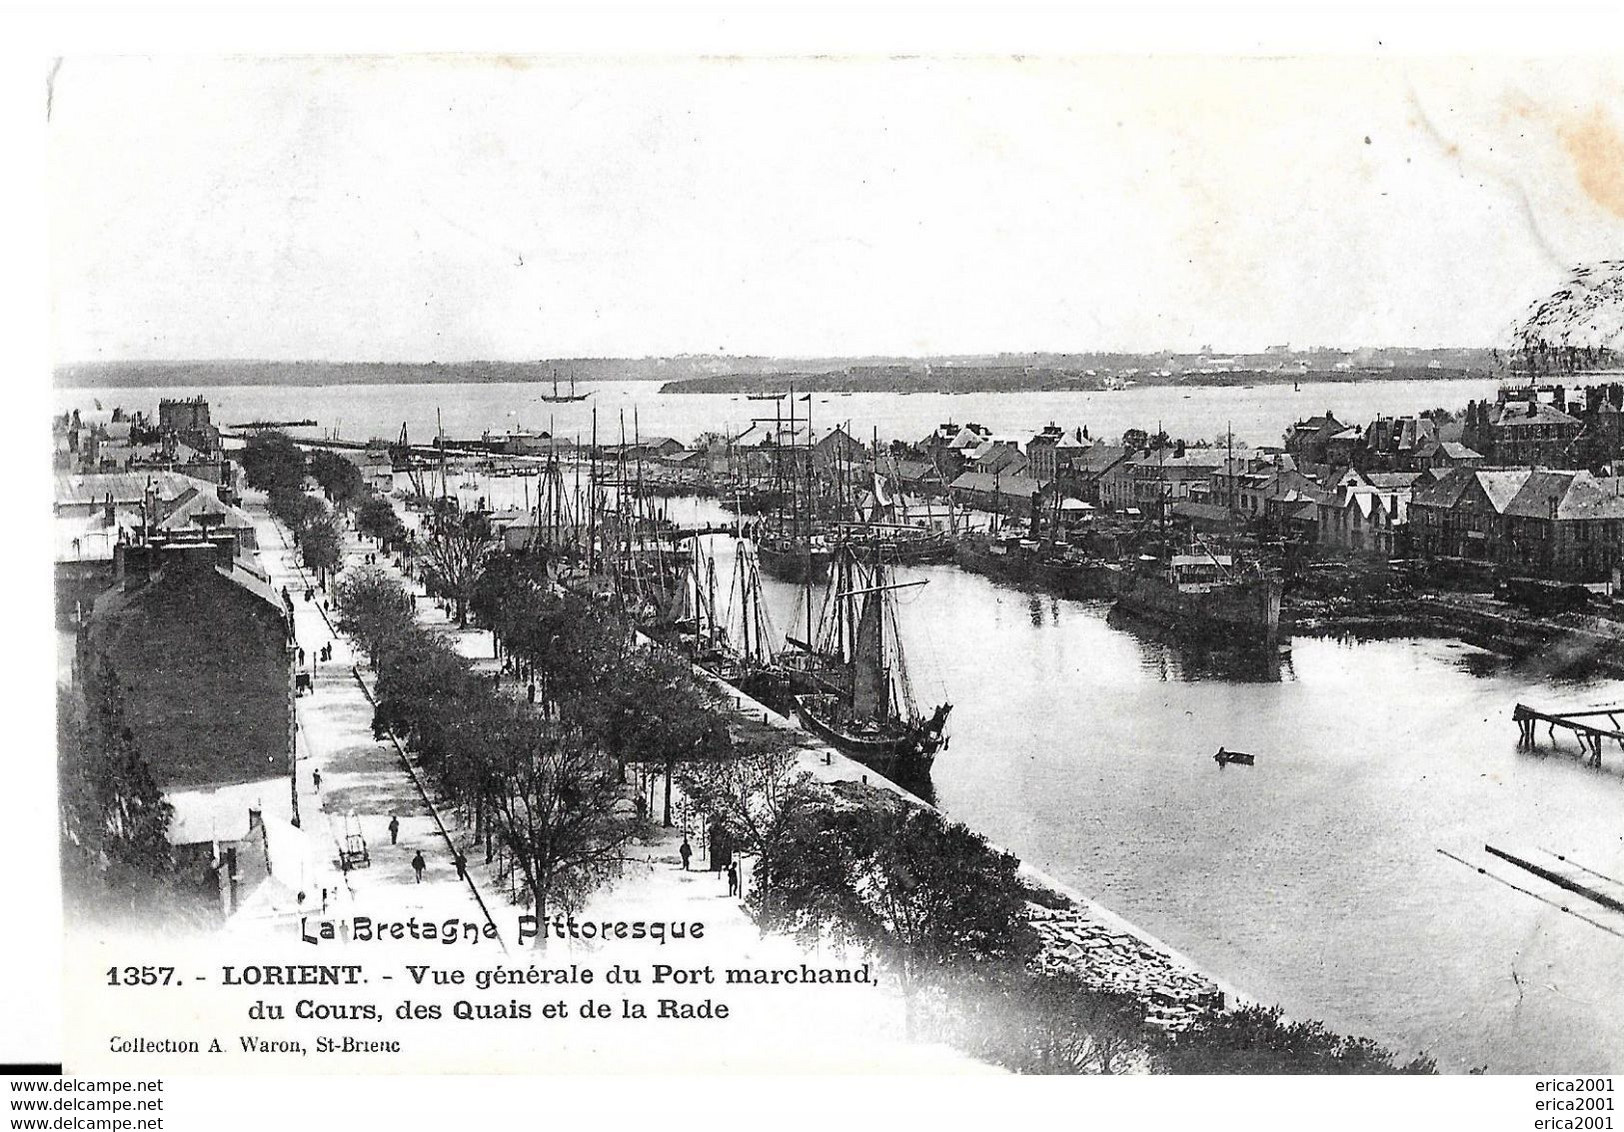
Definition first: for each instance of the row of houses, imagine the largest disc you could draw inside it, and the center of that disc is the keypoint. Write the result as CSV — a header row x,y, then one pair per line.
x,y
1394,444
1443,503
182,439
158,587
1555,524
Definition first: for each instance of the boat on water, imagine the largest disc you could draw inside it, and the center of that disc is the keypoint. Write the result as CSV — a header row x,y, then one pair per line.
x,y
865,703
1223,758
896,544
557,397
791,557
1205,594
1055,567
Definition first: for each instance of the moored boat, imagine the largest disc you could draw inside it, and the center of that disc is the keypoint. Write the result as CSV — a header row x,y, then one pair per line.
x,y
866,706
1055,567
1204,594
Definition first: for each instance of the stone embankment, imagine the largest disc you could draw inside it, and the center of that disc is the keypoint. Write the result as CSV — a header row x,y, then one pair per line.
x,y
1107,958
1076,934
1563,641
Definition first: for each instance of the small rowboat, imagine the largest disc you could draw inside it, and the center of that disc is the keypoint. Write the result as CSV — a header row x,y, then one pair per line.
x,y
1223,758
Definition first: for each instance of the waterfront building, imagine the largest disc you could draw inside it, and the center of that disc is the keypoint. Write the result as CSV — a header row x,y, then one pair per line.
x,y
989,491
838,447
1565,525
1365,519
1256,491
1174,475
1098,475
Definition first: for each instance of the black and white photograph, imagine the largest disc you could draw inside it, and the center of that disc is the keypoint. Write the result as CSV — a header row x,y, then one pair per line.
x,y
963,564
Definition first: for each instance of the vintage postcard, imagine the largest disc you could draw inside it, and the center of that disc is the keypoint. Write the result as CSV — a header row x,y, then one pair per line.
x,y
961,565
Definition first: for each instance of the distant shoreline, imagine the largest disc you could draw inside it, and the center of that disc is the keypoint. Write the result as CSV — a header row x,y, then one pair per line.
x,y
1038,372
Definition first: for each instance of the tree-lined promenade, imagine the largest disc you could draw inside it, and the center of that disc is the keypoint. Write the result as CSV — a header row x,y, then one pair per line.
x,y
542,776
539,758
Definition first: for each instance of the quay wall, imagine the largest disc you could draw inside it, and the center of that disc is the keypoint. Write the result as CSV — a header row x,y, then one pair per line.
x,y
1088,938
1573,641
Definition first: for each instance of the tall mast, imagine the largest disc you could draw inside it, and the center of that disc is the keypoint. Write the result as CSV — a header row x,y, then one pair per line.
x,y
1229,469
439,440
592,498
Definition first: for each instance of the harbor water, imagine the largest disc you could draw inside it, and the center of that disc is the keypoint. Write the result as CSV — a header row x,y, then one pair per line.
x,y
1313,879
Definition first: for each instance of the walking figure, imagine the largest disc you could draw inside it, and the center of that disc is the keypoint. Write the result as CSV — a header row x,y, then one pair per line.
x,y
531,691
685,851
733,879
315,776
301,658
418,865
462,866
394,829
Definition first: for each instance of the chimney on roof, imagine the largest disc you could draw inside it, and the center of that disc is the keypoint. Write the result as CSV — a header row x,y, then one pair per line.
x,y
225,543
132,564
187,558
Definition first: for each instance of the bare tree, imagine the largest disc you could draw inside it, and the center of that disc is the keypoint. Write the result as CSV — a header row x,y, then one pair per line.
x,y
559,810
457,546
753,794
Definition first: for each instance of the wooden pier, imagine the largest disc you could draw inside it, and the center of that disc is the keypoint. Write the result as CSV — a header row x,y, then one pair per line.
x,y
1589,735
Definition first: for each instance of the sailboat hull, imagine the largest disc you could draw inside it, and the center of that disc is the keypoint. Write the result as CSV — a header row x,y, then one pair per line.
x,y
792,562
1079,579
1250,608
901,749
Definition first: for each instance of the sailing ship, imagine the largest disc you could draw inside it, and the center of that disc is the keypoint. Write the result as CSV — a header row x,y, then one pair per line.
x,y
865,705
572,396
787,543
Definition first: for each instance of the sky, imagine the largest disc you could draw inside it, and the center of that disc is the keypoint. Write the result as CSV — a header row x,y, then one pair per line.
x,y
452,208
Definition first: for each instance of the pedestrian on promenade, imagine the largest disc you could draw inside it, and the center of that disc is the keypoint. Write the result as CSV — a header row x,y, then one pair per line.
x,y
418,865
685,851
315,776
309,593
394,829
301,658
531,691
462,866
377,723
733,878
